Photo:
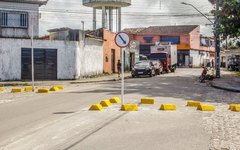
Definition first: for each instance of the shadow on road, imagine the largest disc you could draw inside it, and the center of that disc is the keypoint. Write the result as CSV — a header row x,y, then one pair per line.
x,y
182,87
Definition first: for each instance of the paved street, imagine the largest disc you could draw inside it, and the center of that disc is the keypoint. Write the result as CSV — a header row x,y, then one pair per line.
x,y
61,120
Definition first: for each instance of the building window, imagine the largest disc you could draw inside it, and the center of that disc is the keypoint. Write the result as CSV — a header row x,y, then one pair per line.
x,y
148,39
170,39
14,19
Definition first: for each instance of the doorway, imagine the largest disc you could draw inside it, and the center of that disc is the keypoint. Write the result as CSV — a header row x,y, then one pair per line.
x,y
113,60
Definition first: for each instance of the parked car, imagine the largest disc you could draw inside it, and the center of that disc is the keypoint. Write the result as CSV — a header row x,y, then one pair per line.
x,y
158,66
143,68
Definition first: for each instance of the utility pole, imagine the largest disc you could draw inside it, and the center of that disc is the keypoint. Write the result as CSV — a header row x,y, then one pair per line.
x,y
217,41
216,35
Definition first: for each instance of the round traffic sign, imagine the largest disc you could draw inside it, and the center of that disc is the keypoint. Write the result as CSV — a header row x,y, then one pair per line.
x,y
122,39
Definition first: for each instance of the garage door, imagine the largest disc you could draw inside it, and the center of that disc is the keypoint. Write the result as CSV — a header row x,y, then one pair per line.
x,y
45,64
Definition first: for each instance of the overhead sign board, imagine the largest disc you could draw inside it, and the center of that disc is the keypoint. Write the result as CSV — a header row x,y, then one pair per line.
x,y
122,39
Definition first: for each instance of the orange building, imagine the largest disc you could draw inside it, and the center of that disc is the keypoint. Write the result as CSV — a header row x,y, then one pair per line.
x,y
193,49
111,52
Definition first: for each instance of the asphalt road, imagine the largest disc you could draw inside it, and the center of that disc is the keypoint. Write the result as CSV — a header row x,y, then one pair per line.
x,y
61,120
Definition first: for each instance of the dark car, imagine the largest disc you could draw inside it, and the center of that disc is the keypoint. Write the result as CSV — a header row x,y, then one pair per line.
x,y
158,66
143,68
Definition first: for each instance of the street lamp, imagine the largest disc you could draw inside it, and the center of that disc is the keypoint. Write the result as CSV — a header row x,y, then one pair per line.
x,y
216,34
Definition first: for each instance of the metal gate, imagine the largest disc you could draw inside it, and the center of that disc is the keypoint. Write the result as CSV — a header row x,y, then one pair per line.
x,y
45,64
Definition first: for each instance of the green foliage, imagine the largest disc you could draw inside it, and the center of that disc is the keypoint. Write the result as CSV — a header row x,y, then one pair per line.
x,y
229,17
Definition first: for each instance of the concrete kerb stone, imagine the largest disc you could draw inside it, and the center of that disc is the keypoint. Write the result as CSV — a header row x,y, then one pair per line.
x,y
115,100
54,88
147,101
43,90
193,103
204,107
106,103
236,108
60,87
96,107
168,107
17,90
28,89
129,107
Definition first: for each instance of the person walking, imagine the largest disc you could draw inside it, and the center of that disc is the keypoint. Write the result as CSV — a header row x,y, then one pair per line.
x,y
119,67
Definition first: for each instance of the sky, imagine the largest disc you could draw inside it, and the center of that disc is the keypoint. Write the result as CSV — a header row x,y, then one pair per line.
x,y
142,13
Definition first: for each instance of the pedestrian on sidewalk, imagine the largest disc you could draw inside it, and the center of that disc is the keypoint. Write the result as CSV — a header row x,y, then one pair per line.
x,y
119,66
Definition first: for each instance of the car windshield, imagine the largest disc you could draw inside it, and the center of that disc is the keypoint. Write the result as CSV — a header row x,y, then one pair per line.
x,y
155,56
142,64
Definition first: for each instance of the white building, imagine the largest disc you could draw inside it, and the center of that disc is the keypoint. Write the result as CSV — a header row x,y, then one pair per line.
x,y
53,59
18,17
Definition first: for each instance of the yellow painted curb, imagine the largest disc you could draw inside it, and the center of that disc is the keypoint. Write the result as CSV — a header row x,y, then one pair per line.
x,y
206,108
60,87
236,108
106,103
96,107
54,88
43,90
168,107
193,103
1,90
28,89
147,101
232,105
129,107
17,90
115,100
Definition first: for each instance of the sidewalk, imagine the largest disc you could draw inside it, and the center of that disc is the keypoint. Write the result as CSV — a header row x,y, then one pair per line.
x,y
229,81
104,78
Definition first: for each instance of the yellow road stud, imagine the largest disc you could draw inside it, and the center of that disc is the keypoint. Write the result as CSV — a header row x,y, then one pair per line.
x,y
28,89
168,107
115,100
17,90
1,90
193,103
129,107
106,103
54,88
147,101
60,87
206,108
97,107
232,105
236,108
43,90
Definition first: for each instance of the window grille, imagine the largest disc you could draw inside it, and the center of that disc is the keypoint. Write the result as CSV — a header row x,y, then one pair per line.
x,y
14,19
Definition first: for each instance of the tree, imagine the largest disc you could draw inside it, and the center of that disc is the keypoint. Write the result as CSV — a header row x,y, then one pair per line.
x,y
229,17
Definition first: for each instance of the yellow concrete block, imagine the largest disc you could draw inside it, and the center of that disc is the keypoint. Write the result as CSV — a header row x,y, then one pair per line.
x,y
193,103
97,107
60,87
1,90
17,90
106,103
206,107
168,107
115,100
147,101
54,88
28,89
232,105
129,107
43,90
236,108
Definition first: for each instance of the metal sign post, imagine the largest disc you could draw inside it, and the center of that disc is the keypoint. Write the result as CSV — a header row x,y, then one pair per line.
x,y
122,40
32,51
